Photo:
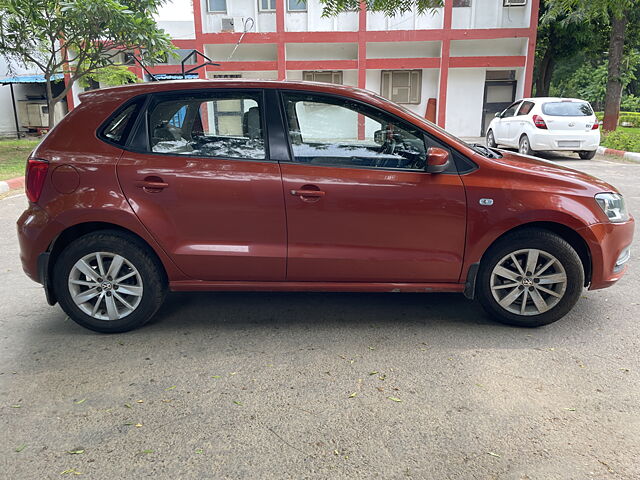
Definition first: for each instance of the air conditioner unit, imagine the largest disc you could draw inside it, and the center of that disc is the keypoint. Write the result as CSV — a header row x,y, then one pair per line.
x,y
227,24
514,3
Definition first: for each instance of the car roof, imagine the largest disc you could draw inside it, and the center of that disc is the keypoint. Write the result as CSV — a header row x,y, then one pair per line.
x,y
176,85
554,99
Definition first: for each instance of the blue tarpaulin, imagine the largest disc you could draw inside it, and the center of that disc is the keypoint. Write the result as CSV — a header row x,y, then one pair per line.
x,y
30,78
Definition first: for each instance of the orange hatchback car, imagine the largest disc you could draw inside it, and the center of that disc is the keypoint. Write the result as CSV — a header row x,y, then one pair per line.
x,y
264,185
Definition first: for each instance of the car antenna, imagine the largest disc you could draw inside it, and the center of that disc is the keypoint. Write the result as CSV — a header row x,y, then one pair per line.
x,y
194,53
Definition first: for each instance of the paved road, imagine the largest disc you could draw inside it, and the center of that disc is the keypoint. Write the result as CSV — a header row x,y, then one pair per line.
x,y
251,386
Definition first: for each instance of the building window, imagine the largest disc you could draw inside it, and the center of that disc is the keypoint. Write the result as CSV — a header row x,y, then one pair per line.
x,y
217,6
267,5
402,86
506,75
297,5
461,3
326,77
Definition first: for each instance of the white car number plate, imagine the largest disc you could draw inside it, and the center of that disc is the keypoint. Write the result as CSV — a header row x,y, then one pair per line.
x,y
568,144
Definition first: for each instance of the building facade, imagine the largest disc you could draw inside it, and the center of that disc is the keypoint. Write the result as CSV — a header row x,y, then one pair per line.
x,y
456,66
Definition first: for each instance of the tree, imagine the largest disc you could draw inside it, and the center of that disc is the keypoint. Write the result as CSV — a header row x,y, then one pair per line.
x,y
388,7
616,13
78,37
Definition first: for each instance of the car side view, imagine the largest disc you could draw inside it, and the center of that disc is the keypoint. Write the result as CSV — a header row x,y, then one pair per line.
x,y
546,124
238,185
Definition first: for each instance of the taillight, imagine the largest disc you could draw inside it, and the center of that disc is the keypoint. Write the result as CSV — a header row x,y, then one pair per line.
x,y
35,177
595,126
538,121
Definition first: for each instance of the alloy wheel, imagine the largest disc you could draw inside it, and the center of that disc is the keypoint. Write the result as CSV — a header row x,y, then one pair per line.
x,y
528,282
524,146
105,286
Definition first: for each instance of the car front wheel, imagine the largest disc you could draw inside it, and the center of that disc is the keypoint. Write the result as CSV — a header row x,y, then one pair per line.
x,y
109,281
530,278
491,141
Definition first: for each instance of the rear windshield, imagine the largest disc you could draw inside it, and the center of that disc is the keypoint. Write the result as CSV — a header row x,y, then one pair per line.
x,y
567,109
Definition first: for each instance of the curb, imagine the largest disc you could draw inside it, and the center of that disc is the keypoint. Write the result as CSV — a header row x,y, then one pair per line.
x,y
633,156
11,184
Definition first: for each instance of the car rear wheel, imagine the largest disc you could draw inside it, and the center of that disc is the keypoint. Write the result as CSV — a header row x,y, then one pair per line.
x,y
491,141
530,278
524,146
108,281
587,154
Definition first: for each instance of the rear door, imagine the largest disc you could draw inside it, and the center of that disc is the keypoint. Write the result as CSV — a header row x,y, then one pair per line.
x,y
360,206
517,123
201,181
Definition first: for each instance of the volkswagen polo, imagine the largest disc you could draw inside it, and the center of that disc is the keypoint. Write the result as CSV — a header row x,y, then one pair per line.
x,y
282,186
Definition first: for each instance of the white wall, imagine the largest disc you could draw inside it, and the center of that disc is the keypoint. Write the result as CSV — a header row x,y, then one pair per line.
x,y
321,51
491,14
403,49
262,75
429,87
245,52
495,47
465,94
313,21
408,21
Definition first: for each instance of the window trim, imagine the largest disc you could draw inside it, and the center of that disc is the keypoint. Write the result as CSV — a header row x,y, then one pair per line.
x,y
226,8
453,166
410,71
306,7
140,131
267,10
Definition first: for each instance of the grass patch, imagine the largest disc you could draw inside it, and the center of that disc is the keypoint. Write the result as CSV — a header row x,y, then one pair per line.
x,y
13,157
624,138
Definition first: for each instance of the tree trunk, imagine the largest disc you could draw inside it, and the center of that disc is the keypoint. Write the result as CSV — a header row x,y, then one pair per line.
x,y
543,81
51,103
614,80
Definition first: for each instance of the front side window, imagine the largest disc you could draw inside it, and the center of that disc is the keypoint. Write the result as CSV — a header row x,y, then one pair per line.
x,y
297,5
511,110
217,6
334,131
227,125
267,5
567,109
402,86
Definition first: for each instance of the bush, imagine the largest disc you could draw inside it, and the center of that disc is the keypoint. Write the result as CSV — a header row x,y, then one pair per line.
x,y
631,117
621,140
630,103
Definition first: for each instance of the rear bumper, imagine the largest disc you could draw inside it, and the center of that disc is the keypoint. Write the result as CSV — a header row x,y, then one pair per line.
x,y
580,141
608,242
36,232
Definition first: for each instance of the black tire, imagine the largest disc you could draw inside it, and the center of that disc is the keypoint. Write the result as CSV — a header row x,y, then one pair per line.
x,y
491,141
137,253
587,154
524,146
548,243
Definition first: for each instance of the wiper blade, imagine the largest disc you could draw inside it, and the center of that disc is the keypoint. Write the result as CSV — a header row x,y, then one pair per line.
x,y
486,151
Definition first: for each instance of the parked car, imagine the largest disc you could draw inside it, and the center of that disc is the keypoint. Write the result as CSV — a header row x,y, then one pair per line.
x,y
535,125
278,186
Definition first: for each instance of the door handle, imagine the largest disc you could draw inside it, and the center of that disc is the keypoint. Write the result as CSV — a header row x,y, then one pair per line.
x,y
151,184
307,193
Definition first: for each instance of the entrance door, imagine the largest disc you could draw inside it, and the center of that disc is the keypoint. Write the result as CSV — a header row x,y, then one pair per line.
x,y
498,95
205,188
360,205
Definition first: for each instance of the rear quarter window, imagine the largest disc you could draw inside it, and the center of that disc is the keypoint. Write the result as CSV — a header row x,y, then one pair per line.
x,y
567,109
116,129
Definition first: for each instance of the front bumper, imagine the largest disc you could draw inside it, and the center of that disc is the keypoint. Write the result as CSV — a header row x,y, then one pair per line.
x,y
608,243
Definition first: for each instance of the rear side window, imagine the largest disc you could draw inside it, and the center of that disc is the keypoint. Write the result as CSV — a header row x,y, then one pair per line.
x,y
567,109
219,124
525,108
118,127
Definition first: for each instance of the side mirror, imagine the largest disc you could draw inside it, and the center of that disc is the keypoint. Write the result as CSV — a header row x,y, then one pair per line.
x,y
498,114
437,160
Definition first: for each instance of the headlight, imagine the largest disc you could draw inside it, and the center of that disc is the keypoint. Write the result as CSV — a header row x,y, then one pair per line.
x,y
613,206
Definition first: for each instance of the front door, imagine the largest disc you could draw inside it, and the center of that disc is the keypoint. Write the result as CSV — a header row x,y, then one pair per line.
x,y
205,187
360,206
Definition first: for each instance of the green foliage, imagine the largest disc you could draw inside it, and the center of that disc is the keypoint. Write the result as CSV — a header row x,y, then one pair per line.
x,y
630,103
390,8
621,139
110,76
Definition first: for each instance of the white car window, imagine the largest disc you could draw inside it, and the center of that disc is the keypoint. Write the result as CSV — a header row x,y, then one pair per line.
x,y
567,109
511,110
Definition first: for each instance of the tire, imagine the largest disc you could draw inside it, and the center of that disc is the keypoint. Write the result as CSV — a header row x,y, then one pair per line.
x,y
491,141
492,280
587,154
524,146
110,306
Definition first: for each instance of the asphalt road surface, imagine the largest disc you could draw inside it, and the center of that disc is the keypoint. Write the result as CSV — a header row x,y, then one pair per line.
x,y
321,386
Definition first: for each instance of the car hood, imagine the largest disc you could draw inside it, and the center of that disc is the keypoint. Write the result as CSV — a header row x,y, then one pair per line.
x,y
550,174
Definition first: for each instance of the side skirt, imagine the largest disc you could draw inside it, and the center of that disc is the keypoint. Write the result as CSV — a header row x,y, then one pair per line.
x,y
200,286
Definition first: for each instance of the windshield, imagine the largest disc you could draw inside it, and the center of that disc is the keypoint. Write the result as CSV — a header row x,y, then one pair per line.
x,y
567,109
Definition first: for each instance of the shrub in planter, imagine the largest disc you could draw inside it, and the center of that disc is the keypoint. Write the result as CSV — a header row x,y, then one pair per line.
x,y
621,140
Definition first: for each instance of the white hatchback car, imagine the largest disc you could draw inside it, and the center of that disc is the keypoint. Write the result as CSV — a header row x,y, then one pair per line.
x,y
542,124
